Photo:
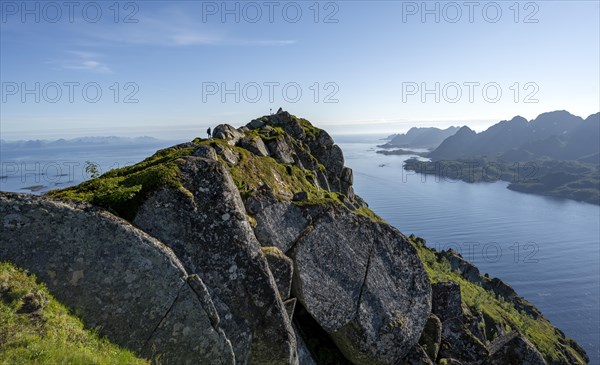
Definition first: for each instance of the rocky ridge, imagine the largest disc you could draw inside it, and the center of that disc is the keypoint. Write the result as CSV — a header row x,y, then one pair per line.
x,y
252,248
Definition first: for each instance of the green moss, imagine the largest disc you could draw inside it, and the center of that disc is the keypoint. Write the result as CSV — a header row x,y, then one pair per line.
x,y
368,213
123,190
43,331
540,331
310,130
251,172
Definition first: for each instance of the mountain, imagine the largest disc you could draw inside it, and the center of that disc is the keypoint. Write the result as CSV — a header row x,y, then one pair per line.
x,y
559,151
252,247
80,141
542,136
580,142
418,137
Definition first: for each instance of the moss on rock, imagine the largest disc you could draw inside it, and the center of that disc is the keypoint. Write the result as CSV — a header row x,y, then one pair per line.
x,y
123,190
548,340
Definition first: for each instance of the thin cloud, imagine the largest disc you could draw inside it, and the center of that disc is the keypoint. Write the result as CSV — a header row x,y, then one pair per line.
x,y
268,43
163,31
85,61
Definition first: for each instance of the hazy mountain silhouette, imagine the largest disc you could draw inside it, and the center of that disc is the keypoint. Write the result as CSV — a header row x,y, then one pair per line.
x,y
558,135
560,154
420,137
80,141
581,142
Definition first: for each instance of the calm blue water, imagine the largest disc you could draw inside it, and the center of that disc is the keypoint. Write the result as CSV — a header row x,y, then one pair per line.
x,y
547,249
57,167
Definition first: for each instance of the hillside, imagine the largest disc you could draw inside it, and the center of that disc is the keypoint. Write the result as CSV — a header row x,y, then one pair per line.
x,y
418,137
36,329
557,154
252,247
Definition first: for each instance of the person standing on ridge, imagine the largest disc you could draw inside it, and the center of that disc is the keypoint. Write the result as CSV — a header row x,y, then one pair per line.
x,y
208,132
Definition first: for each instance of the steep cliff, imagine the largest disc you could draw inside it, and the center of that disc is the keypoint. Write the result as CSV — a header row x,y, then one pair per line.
x,y
278,260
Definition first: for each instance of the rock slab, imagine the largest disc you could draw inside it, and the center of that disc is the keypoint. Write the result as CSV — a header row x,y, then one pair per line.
x,y
102,267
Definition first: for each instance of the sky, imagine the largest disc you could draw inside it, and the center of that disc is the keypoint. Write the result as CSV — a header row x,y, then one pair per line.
x,y
170,69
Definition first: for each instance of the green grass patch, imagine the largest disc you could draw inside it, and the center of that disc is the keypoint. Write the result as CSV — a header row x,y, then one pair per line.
x,y
36,329
251,172
310,130
123,190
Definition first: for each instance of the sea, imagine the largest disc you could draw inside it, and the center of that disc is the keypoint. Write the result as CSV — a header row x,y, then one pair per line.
x,y
547,249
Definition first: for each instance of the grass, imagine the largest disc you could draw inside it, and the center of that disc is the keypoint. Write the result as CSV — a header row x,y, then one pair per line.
x,y
539,332
251,172
37,329
123,190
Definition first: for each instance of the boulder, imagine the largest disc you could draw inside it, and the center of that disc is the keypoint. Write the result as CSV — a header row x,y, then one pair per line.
x,y
290,124
281,150
334,161
267,128
475,322
459,343
513,349
227,154
431,336
278,223
254,145
281,267
346,181
255,124
446,301
228,133
179,331
303,158
205,224
206,152
364,284
120,281
458,263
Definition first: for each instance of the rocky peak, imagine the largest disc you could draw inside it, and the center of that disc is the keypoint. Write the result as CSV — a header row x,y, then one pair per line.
x,y
294,142
255,249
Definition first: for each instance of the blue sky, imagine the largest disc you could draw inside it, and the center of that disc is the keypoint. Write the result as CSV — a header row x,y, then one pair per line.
x,y
370,60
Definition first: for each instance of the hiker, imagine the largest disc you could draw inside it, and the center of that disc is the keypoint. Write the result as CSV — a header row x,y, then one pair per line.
x,y
208,132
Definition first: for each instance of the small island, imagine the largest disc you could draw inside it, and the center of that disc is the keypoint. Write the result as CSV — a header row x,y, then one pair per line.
x,y
401,152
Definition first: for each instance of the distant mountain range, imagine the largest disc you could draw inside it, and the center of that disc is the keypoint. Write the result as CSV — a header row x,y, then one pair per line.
x,y
557,135
420,138
556,154
38,143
